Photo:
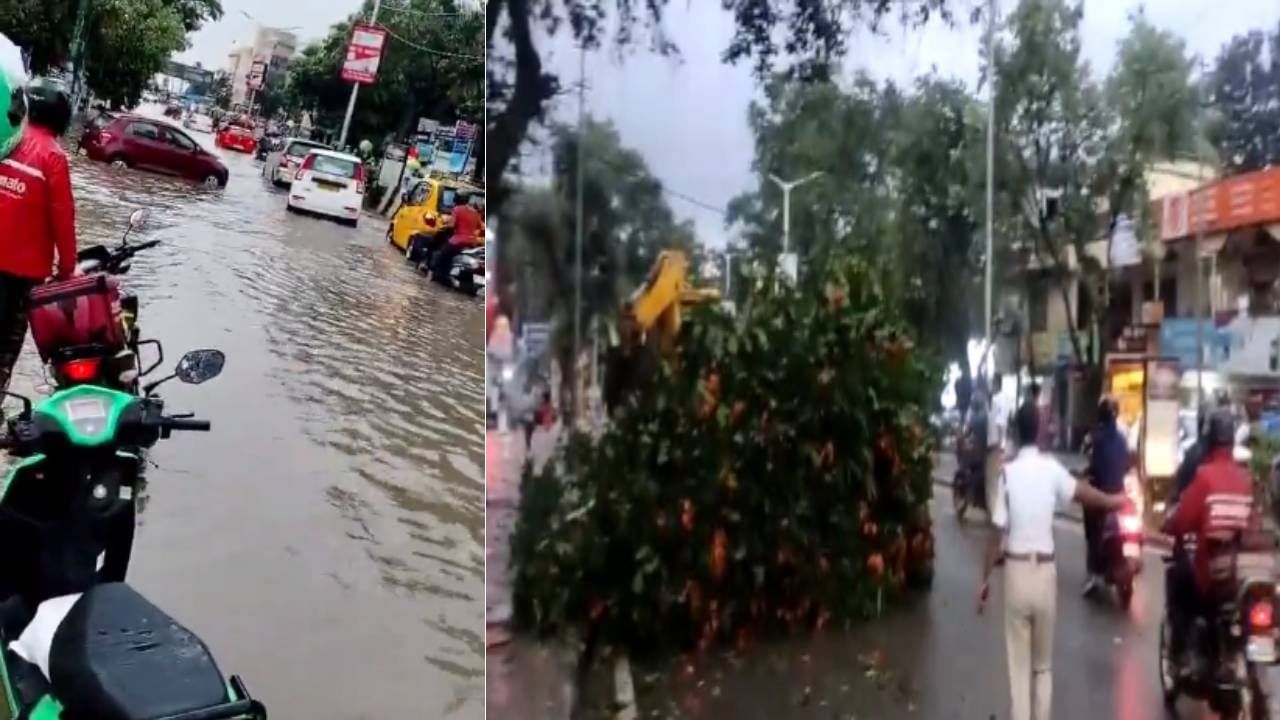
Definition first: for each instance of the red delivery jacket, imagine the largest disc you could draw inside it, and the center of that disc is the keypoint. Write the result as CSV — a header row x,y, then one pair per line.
x,y
36,209
1217,504
467,224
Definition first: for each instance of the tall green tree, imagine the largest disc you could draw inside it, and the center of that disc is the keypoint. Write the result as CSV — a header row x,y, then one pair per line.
x,y
127,41
432,66
626,223
808,37
1052,130
1244,88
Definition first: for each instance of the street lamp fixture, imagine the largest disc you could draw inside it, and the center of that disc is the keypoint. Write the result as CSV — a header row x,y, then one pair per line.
x,y
787,187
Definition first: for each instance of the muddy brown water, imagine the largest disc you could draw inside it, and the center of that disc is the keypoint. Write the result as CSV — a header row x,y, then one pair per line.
x,y
325,539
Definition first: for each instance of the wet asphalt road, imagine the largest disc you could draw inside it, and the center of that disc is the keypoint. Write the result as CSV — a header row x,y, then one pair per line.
x,y
325,540
936,658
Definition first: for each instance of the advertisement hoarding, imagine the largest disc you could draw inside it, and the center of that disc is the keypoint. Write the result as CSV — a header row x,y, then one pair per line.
x,y
363,54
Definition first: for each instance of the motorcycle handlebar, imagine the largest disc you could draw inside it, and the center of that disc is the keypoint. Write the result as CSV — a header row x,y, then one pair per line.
x,y
187,424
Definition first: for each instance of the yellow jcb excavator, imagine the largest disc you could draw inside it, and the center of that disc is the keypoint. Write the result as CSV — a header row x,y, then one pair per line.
x,y
650,323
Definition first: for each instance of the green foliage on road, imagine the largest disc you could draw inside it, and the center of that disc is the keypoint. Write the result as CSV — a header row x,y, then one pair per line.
x,y
432,66
773,476
127,41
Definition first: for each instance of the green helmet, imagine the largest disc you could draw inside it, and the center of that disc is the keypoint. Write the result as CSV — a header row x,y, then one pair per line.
x,y
13,102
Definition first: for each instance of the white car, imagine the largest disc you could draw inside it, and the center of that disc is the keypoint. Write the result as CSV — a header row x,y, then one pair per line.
x,y
329,183
281,165
198,122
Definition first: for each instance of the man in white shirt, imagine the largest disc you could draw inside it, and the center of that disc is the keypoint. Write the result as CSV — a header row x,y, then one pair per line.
x,y
1033,487
997,430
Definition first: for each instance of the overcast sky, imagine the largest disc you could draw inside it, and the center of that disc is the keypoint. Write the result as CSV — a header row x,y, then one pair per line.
x,y
688,118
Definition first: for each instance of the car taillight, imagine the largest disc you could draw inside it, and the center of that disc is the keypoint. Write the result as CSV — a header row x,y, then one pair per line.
x,y
360,179
429,221
1260,615
81,370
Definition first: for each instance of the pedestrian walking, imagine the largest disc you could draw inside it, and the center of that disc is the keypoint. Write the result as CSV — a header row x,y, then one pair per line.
x,y
1033,487
998,413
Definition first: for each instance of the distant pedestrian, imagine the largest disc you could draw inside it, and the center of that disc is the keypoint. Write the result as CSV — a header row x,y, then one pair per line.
x,y
1034,486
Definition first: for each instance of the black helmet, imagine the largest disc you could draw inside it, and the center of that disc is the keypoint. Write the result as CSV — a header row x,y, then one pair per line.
x,y
1108,409
48,105
1221,430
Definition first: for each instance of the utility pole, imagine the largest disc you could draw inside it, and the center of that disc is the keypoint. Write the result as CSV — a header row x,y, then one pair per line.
x,y
355,86
578,215
991,153
78,56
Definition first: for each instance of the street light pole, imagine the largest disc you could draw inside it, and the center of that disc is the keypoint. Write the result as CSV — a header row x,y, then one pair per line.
x,y
991,152
355,86
578,214
787,187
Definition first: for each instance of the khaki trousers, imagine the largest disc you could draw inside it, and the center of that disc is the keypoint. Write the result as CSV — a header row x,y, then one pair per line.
x,y
994,468
1030,608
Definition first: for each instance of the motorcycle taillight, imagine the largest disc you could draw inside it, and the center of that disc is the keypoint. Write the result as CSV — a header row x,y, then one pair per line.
x,y
1260,616
82,370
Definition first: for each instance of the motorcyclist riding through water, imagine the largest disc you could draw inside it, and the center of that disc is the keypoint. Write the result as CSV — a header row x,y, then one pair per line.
x,y
1215,506
37,211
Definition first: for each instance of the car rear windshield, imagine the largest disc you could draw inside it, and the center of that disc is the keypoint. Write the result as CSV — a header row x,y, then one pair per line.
x,y
335,166
300,149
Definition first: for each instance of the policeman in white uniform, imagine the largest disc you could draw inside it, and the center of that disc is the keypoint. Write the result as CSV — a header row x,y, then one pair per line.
x,y
1034,486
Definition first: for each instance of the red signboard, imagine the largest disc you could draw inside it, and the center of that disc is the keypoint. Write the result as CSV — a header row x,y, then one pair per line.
x,y
1236,202
363,53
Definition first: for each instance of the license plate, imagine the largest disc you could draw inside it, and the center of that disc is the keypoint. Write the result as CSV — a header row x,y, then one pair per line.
x,y
329,188
1261,648
1132,550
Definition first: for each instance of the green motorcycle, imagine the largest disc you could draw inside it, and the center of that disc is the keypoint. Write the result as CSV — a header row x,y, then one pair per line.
x,y
77,641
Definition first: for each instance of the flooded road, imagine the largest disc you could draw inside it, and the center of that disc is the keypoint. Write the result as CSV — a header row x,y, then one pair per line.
x,y
325,539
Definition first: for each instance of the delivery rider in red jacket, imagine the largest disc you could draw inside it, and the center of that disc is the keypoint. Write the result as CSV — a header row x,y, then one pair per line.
x,y
1217,506
37,214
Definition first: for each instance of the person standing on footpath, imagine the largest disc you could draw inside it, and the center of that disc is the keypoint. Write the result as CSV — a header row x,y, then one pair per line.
x,y
997,430
1034,486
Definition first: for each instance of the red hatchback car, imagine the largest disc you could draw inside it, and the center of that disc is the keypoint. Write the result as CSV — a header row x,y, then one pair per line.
x,y
141,142
236,138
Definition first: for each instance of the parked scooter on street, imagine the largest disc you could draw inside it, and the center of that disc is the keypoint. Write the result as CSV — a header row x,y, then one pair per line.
x,y
73,633
85,329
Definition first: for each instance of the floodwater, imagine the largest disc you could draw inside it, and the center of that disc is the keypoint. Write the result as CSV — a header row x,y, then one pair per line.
x,y
325,539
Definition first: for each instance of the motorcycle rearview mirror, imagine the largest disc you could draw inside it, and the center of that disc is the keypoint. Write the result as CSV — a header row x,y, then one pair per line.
x,y
194,368
26,402
137,219
200,366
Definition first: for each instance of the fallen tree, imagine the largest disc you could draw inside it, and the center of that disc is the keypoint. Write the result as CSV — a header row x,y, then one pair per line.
x,y
773,475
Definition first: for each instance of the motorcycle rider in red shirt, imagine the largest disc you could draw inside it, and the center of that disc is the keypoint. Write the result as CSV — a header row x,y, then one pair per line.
x,y
468,227
37,213
1217,506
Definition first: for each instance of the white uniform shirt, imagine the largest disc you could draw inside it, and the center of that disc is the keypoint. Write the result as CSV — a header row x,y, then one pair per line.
x,y
997,422
1034,486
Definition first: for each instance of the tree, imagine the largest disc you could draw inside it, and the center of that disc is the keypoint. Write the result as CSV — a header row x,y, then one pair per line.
x,y
127,41
938,166
1245,89
1051,124
433,66
810,35
627,222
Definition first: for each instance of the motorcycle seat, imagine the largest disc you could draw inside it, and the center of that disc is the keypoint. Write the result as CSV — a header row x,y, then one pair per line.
x,y
116,656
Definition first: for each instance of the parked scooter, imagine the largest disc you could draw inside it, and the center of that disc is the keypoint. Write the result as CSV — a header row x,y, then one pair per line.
x,y
84,328
78,642
466,272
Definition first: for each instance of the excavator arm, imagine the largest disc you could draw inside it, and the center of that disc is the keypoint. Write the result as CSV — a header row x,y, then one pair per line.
x,y
652,317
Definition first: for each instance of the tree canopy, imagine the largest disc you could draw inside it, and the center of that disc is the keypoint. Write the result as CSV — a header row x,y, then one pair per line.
x,y
807,38
1244,89
432,66
127,41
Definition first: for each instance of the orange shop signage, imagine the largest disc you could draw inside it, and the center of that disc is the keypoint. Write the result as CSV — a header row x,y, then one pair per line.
x,y
1244,200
